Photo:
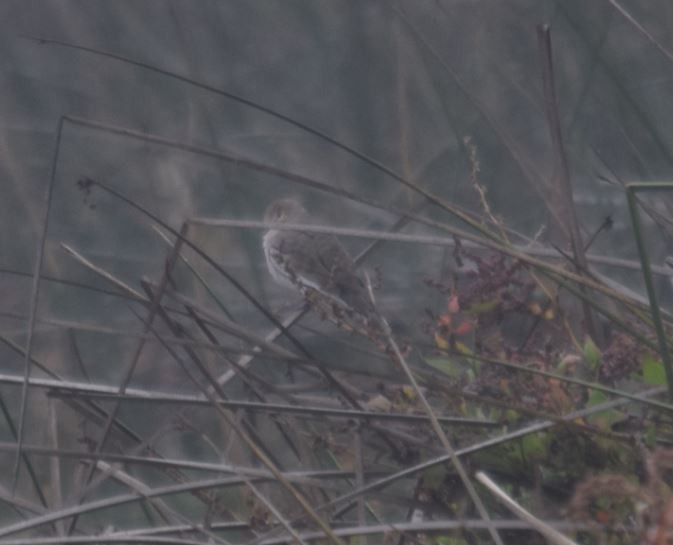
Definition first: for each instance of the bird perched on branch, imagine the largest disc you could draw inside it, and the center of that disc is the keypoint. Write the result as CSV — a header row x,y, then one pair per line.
x,y
316,264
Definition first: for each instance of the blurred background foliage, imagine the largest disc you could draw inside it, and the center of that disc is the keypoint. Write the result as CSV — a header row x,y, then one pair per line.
x,y
403,82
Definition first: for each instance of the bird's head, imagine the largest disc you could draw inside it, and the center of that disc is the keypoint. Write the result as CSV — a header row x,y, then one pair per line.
x,y
285,211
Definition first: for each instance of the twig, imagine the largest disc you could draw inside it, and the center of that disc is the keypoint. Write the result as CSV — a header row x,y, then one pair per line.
x,y
556,537
563,175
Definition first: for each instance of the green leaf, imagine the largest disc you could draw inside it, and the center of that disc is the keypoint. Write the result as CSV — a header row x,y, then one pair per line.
x,y
511,416
605,419
592,355
653,372
596,397
446,366
482,308
535,446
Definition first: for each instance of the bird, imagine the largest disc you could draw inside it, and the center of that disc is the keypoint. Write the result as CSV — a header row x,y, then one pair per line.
x,y
314,263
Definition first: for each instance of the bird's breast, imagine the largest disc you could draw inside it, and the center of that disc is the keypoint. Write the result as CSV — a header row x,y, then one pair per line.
x,y
273,259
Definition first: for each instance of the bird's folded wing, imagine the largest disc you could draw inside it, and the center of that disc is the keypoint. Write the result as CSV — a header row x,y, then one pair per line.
x,y
322,263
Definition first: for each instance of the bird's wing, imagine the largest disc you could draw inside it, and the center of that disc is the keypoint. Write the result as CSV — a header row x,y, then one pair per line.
x,y
340,267
322,263
297,252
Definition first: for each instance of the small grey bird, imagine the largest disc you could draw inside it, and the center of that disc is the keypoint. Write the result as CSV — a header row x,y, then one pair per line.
x,y
313,261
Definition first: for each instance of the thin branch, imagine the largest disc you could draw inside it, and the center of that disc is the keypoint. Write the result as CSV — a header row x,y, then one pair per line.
x,y
553,535
564,185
